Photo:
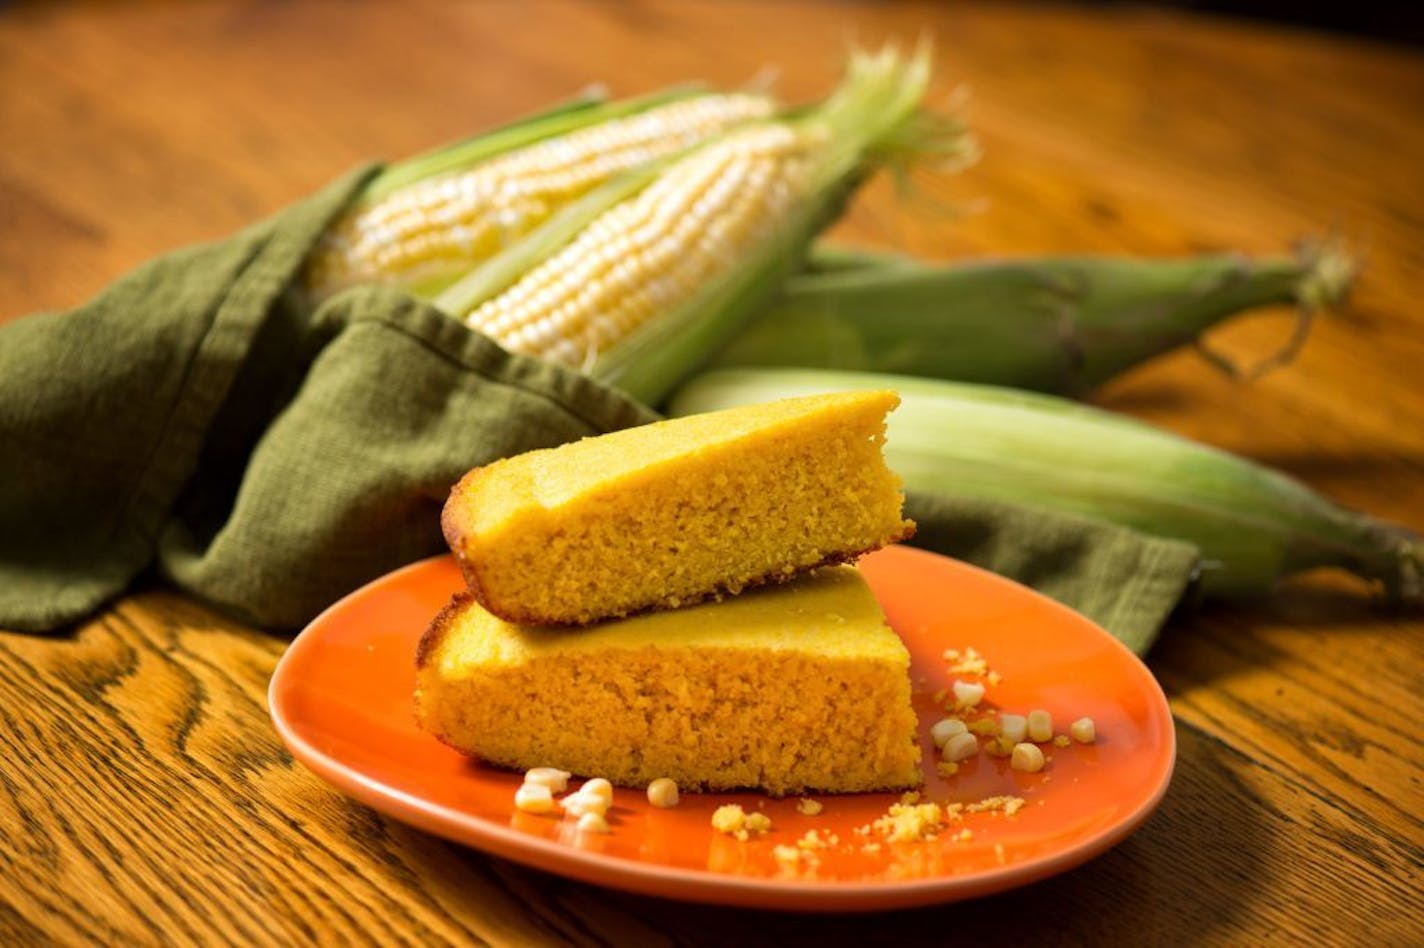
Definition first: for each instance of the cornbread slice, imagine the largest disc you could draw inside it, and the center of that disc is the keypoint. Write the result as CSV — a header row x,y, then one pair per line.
x,y
677,511
789,688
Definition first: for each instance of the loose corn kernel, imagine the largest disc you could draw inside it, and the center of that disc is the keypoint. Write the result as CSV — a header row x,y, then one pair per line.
x,y
1040,726
945,729
1083,730
577,804
662,793
552,777
592,823
1013,727
967,694
1027,757
960,747
599,787
533,798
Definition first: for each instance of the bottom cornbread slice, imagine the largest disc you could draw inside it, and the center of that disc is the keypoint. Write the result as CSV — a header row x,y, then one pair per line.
x,y
787,689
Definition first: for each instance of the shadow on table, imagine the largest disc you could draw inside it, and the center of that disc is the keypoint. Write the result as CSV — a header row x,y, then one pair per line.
x,y
1192,874
1325,599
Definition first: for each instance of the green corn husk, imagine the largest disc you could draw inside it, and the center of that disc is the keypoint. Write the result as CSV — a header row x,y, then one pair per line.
x,y
587,108
1053,324
1251,524
874,116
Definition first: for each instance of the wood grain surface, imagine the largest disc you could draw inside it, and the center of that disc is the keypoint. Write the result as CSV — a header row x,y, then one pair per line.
x,y
144,797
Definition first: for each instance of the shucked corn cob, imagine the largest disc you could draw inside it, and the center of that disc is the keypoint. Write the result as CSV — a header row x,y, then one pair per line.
x,y
432,230
1252,525
1054,324
654,251
641,279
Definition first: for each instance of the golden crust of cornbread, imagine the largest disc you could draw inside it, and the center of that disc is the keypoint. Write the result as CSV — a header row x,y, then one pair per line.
x,y
788,689
677,512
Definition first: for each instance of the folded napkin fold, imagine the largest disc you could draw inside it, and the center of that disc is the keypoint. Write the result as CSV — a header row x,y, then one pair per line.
x,y
200,417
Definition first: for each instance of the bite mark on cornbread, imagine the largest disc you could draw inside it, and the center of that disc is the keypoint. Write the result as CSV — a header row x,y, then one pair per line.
x,y
788,689
678,511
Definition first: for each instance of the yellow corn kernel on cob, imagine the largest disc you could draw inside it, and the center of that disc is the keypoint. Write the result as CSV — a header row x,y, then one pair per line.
x,y
649,273
653,252
431,231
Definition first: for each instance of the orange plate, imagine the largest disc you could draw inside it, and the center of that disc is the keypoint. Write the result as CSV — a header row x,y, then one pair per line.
x,y
341,699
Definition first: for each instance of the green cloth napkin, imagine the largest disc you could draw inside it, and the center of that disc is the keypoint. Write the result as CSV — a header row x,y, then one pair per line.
x,y
200,418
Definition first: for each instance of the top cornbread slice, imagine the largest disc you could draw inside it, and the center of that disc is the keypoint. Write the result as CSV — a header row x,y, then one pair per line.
x,y
677,511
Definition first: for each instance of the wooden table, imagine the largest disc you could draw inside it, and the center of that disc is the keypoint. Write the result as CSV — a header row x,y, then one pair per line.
x,y
143,794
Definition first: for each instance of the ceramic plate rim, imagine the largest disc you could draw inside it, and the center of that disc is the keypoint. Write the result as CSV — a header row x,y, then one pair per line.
x,y
701,885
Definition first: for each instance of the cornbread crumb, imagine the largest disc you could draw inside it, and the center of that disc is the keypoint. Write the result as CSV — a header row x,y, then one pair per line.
x,y
984,727
999,852
812,839
736,822
971,663
910,797
808,807
964,835
947,768
758,824
870,848
1000,746
1061,740
908,822
1009,805
728,818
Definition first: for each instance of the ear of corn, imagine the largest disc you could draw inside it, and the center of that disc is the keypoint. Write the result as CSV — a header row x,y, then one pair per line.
x,y
640,281
1252,525
425,223
1054,324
